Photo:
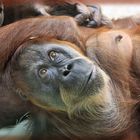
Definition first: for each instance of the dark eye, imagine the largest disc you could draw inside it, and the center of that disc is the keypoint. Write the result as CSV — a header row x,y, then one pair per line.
x,y
42,72
53,55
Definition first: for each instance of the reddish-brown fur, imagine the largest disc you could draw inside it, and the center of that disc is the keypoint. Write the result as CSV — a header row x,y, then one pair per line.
x,y
120,58
128,47
12,37
123,70
87,15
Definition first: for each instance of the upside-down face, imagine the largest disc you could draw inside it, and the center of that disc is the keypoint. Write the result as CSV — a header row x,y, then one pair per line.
x,y
56,75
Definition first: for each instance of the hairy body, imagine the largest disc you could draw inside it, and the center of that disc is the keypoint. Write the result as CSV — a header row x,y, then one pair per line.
x,y
67,94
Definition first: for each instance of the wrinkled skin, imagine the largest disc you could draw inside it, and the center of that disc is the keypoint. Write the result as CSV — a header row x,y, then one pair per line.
x,y
59,79
69,95
49,88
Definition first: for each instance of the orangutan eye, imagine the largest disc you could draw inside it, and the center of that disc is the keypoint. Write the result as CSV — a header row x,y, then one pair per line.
x,y
42,72
52,55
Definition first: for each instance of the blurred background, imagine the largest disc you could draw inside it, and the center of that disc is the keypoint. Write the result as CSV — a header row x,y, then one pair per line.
x,y
117,8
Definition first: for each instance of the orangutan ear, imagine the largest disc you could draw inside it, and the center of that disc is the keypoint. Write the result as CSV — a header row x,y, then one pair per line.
x,y
118,38
21,94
